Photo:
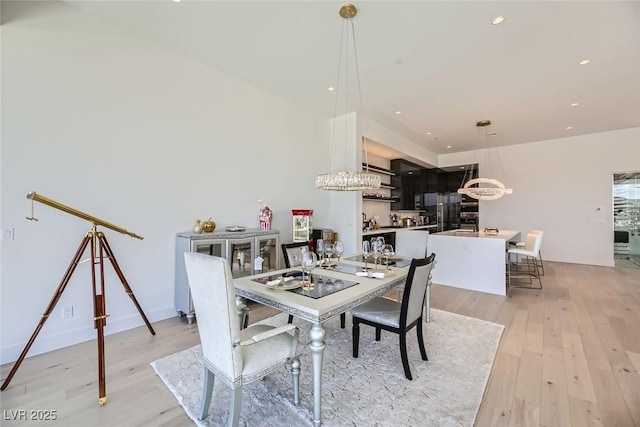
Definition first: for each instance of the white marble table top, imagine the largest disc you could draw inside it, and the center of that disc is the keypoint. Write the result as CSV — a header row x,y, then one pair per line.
x,y
502,234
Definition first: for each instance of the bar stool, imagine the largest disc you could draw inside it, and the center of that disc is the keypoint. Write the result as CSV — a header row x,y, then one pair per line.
x,y
521,245
530,254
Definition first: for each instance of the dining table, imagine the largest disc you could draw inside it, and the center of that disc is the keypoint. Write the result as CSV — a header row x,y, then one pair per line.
x,y
335,290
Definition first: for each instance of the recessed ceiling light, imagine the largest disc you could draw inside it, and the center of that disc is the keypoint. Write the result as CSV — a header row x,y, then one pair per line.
x,y
177,1
497,20
331,88
585,61
575,104
398,112
428,133
569,127
448,146
461,167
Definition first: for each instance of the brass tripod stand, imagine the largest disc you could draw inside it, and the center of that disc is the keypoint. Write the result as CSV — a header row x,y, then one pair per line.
x,y
100,250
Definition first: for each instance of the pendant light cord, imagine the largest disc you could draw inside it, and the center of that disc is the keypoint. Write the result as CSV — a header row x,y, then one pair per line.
x,y
347,22
355,54
335,102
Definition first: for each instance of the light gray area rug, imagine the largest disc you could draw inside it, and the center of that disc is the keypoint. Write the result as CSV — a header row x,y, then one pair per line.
x,y
369,391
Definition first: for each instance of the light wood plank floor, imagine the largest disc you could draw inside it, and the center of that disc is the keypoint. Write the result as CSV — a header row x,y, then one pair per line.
x,y
569,356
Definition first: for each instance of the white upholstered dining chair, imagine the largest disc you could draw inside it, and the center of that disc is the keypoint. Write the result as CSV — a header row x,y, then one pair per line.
x,y
413,244
236,357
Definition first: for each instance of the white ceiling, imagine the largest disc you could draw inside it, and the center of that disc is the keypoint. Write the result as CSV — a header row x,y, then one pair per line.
x,y
441,63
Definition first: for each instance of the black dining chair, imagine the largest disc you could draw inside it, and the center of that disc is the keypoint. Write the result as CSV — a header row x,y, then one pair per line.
x,y
291,252
292,258
398,317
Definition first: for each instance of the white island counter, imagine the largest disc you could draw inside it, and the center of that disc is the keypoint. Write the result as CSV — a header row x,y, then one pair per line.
x,y
471,260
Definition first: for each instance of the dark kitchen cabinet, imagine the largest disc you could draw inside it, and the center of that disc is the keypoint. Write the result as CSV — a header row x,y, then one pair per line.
x,y
454,181
407,183
417,187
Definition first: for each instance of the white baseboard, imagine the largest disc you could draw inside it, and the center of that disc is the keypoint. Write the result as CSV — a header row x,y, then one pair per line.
x,y
10,353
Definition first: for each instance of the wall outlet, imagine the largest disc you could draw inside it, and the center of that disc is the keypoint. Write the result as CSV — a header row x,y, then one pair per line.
x,y
7,234
67,312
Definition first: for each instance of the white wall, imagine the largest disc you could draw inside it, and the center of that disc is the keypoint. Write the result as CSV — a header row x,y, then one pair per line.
x,y
143,138
558,186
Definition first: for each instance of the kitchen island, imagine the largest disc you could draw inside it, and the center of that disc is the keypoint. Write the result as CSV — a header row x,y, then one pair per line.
x,y
471,260
382,230
389,233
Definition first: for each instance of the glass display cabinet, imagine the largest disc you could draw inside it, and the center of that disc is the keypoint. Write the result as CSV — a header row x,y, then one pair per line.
x,y
249,252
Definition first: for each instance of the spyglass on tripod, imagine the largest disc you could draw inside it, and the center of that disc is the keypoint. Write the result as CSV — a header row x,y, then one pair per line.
x,y
99,251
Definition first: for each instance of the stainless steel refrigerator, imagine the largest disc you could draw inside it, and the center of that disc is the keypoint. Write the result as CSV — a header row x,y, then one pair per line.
x,y
448,211
443,209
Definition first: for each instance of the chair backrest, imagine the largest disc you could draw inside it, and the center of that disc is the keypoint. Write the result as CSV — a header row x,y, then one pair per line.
x,y
291,252
415,289
214,300
530,242
541,233
538,243
412,243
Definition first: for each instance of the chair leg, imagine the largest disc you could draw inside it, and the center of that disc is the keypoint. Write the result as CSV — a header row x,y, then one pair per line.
x,y
541,263
247,314
423,352
236,404
403,355
295,373
343,320
378,332
207,391
355,336
537,272
290,320
427,303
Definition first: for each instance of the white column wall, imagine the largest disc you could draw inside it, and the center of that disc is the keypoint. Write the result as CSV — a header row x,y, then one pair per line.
x,y
143,138
564,187
345,205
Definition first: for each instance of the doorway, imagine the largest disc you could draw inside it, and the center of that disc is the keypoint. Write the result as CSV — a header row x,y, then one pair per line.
x,y
626,219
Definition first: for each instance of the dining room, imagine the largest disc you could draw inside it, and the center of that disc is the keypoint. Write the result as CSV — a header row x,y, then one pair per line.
x,y
107,113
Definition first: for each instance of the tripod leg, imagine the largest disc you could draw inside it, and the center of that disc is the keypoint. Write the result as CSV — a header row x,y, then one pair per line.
x,y
50,307
127,288
99,317
100,322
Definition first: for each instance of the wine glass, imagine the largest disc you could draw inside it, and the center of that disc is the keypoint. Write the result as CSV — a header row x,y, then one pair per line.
x,y
320,250
309,262
339,250
375,251
366,252
387,252
329,250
